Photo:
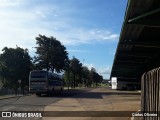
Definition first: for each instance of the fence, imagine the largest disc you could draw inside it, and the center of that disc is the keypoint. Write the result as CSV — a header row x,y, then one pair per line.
x,y
150,101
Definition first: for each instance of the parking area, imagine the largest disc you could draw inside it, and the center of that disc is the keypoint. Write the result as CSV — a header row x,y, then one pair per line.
x,y
105,103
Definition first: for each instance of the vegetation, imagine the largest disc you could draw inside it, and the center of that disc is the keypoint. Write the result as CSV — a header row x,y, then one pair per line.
x,y
78,75
16,63
51,54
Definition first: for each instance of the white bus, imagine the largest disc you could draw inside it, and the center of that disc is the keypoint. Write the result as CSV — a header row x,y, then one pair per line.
x,y
43,82
114,82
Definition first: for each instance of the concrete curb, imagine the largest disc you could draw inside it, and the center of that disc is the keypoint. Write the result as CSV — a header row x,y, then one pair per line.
x,y
14,96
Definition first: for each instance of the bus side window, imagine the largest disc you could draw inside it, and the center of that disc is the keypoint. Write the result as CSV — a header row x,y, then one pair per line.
x,y
49,76
59,84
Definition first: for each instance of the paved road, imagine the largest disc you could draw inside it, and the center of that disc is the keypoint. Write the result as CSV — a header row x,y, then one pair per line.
x,y
96,102
26,103
94,99
34,103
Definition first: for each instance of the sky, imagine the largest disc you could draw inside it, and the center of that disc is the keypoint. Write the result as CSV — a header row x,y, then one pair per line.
x,y
89,29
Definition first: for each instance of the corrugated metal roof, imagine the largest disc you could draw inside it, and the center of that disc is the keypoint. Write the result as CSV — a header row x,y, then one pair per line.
x,y
138,49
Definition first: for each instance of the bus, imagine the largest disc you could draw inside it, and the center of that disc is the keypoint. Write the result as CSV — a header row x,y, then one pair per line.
x,y
45,82
114,82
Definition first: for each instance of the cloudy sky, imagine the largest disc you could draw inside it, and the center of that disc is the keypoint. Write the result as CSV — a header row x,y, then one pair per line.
x,y
89,29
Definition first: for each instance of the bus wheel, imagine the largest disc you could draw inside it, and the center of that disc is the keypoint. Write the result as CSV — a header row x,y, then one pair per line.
x,y
51,92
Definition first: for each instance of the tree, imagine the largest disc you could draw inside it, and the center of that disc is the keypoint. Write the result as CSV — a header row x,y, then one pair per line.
x,y
15,65
95,77
67,73
75,73
85,75
51,54
76,68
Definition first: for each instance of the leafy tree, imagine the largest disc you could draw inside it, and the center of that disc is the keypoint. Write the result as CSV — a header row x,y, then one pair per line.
x,y
15,65
51,54
75,73
95,77
76,68
85,75
67,73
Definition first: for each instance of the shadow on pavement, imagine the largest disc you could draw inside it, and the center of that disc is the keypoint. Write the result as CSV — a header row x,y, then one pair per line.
x,y
69,93
84,93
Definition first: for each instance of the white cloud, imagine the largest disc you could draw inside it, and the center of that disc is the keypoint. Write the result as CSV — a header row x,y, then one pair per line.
x,y
19,26
41,14
106,70
89,65
75,36
6,3
78,51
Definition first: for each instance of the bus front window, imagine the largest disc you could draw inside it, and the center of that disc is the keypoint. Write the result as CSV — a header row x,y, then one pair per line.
x,y
39,74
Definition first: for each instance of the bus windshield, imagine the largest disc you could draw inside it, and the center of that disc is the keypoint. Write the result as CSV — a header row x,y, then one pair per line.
x,y
38,74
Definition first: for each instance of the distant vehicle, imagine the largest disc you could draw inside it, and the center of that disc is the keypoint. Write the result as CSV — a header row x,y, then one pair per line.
x,y
43,82
114,82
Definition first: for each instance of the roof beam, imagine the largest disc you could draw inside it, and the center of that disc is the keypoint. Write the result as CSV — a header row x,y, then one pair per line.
x,y
142,43
146,19
135,54
144,15
128,61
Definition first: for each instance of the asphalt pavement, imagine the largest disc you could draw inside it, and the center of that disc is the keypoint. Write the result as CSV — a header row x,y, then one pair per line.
x,y
83,104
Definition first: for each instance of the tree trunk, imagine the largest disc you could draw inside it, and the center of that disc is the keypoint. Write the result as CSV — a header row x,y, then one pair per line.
x,y
68,79
74,84
47,66
68,85
52,70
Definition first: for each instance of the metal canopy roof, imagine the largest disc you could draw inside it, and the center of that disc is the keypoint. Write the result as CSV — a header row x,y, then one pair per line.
x,y
138,49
